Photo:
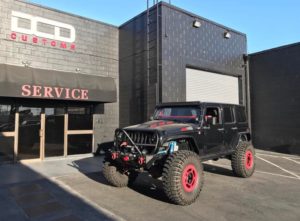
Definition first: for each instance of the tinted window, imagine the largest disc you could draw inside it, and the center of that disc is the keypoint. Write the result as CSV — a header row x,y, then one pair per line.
x,y
80,118
240,114
29,128
80,144
7,118
54,136
6,149
228,116
183,114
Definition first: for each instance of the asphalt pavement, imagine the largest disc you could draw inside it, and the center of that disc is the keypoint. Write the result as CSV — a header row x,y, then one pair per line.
x,y
75,189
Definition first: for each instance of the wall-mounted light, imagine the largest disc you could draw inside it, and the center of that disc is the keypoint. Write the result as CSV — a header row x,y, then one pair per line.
x,y
196,24
77,70
26,63
227,35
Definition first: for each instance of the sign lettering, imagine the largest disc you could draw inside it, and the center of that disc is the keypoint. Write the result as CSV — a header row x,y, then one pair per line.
x,y
54,92
33,29
32,34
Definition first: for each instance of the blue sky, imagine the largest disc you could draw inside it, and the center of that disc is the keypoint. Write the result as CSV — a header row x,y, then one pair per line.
x,y
267,23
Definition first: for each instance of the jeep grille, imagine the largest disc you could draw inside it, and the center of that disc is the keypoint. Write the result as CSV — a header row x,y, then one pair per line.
x,y
141,138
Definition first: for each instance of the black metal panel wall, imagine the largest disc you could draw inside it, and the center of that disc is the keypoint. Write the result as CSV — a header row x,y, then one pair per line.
x,y
203,48
275,96
178,46
137,88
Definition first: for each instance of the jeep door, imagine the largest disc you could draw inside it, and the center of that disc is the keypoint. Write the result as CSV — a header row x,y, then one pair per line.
x,y
230,127
213,130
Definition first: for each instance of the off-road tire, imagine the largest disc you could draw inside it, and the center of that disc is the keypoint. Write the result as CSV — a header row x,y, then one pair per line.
x,y
183,177
243,160
116,177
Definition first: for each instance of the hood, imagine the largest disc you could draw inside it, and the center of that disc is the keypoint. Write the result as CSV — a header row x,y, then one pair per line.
x,y
162,125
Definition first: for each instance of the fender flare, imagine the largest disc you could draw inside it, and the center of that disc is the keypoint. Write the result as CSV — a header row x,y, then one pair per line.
x,y
245,136
188,137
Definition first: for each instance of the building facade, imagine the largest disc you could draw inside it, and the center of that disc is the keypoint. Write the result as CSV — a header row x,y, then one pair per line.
x,y
58,82
274,84
66,82
185,62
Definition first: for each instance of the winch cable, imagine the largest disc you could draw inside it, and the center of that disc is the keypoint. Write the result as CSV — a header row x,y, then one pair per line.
x,y
135,146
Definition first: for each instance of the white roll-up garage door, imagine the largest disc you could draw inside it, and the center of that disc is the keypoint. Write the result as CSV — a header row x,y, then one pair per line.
x,y
211,87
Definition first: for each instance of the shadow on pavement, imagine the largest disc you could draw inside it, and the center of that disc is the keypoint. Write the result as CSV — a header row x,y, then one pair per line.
x,y
26,194
218,170
145,184
149,187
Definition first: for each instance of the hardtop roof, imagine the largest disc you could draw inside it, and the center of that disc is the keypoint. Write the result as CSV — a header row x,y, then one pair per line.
x,y
193,103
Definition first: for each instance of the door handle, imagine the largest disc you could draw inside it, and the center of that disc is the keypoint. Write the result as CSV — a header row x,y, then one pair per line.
x,y
234,128
221,129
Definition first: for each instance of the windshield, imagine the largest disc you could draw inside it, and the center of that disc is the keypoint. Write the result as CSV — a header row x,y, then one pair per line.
x,y
184,114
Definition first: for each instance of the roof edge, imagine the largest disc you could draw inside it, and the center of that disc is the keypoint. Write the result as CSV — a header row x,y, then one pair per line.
x,y
276,48
200,17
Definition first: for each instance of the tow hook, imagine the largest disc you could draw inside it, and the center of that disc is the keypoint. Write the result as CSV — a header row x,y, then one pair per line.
x,y
114,155
141,160
126,158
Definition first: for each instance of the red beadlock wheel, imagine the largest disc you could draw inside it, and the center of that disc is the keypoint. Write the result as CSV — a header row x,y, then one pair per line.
x,y
182,177
189,178
249,160
243,160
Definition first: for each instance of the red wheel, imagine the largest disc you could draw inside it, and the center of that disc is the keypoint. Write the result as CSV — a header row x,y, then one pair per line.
x,y
249,160
189,178
182,177
243,160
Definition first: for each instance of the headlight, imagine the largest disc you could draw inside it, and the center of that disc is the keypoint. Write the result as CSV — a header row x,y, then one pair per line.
x,y
154,138
119,137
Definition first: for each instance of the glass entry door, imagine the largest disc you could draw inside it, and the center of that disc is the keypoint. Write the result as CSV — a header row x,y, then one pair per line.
x,y
80,130
54,132
7,132
29,133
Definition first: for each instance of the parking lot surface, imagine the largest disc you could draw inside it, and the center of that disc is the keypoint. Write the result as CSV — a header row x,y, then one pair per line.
x,y
273,193
75,189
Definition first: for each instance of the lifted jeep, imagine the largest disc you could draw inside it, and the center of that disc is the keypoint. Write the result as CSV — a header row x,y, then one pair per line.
x,y
174,143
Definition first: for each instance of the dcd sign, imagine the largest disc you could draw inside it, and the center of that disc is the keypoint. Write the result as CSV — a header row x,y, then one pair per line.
x,y
33,27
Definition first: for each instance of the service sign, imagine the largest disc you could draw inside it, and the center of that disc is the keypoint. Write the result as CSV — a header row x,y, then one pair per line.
x,y
53,37
54,92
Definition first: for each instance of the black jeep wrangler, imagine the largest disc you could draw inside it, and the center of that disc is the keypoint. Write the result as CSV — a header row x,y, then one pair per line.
x,y
174,143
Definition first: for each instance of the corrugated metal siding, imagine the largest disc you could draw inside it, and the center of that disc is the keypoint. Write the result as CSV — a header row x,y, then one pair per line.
x,y
211,87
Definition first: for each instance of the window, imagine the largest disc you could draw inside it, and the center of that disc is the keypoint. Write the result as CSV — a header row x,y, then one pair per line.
x,y
80,144
178,113
54,132
7,118
29,132
80,118
214,113
240,114
6,149
228,116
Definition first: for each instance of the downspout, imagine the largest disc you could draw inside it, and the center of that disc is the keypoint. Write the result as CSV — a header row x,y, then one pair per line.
x,y
248,97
